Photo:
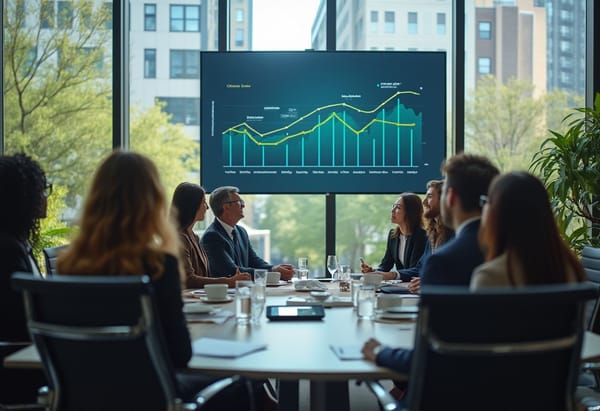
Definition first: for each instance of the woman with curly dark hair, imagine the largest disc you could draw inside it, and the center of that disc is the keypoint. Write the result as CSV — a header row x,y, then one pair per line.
x,y
24,191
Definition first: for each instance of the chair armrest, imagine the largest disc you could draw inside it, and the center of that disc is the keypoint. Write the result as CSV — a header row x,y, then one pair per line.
x,y
385,399
590,366
208,392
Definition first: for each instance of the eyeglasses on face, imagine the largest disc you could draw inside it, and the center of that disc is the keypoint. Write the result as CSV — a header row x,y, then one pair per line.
x,y
483,200
241,202
47,190
396,206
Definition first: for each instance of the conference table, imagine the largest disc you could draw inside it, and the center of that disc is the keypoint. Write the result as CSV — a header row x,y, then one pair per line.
x,y
301,351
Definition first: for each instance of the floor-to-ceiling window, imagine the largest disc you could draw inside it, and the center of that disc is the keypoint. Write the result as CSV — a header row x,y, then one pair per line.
x,y
57,89
524,65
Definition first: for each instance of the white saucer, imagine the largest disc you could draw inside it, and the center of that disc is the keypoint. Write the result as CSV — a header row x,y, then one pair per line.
x,y
209,301
397,316
197,308
277,284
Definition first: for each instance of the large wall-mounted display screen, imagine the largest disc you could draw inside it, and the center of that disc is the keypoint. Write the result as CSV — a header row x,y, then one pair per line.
x,y
322,122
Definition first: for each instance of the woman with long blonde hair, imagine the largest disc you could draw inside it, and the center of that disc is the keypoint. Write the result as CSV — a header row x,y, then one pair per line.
x,y
125,229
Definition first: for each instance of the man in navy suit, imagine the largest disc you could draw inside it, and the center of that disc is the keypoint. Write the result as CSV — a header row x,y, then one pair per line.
x,y
227,245
467,177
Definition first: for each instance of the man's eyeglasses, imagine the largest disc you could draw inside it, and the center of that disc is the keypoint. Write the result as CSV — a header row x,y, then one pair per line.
x,y
483,200
241,202
47,190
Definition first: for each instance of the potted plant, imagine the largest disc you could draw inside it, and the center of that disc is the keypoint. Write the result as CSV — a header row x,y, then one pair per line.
x,y
569,165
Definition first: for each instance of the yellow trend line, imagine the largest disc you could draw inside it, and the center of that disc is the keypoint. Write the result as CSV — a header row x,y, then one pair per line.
x,y
235,129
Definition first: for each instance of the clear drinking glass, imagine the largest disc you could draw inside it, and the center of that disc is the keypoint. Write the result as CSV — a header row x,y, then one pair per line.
x,y
366,302
260,276
243,301
344,278
303,274
332,265
355,286
258,299
303,263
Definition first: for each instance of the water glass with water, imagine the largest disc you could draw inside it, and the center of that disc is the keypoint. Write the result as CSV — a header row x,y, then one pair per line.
x,y
260,276
243,301
366,302
354,287
303,263
303,274
344,278
257,298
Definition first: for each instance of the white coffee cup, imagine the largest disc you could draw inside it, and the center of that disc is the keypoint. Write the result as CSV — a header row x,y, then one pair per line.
x,y
385,301
273,277
216,292
372,279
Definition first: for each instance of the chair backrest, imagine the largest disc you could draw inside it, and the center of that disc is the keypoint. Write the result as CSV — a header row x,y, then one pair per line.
x,y
590,259
498,349
50,255
99,341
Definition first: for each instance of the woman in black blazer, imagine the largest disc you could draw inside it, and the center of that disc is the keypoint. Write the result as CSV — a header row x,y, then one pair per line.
x,y
406,242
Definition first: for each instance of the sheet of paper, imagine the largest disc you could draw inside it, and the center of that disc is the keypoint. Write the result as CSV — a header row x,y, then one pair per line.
x,y
218,317
214,347
347,352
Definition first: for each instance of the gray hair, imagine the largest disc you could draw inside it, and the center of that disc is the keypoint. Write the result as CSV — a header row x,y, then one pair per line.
x,y
220,196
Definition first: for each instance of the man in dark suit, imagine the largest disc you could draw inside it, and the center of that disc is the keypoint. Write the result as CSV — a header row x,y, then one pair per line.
x,y
227,244
467,177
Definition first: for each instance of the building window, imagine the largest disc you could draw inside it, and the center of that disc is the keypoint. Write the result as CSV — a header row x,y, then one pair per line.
x,y
441,23
149,17
374,21
47,15
185,18
108,10
183,110
412,22
239,15
484,65
149,63
485,30
65,14
185,64
96,54
389,22
239,37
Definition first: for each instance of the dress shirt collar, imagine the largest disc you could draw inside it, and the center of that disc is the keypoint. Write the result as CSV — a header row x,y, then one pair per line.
x,y
465,223
227,227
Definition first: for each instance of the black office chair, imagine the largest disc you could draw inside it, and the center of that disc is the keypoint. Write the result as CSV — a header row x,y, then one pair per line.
x,y
18,388
101,345
590,259
50,255
516,349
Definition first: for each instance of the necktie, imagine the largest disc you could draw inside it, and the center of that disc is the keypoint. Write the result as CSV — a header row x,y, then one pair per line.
x,y
236,248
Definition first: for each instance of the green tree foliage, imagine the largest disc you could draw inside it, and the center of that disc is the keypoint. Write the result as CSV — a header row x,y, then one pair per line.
x,y
297,225
53,230
57,87
165,143
58,90
504,122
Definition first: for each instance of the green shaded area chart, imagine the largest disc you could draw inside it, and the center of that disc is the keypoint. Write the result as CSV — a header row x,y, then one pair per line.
x,y
343,134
